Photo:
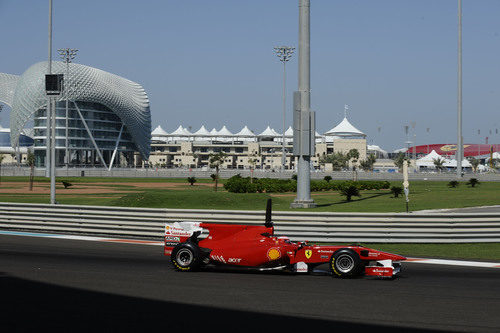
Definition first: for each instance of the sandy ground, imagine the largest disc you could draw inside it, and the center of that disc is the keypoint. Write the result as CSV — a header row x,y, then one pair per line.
x,y
44,188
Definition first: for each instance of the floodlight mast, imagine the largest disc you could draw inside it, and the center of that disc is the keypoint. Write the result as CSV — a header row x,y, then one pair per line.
x,y
51,123
460,147
67,55
303,117
284,54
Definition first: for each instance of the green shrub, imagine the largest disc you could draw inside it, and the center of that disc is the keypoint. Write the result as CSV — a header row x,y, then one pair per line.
x,y
396,191
191,180
349,191
473,182
238,184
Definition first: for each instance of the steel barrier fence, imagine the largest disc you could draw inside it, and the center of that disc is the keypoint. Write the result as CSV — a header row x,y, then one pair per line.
x,y
226,173
148,223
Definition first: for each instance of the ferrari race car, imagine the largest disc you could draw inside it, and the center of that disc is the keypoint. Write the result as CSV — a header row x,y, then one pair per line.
x,y
190,247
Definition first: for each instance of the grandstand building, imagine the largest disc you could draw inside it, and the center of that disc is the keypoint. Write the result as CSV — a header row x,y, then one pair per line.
x,y
106,123
247,149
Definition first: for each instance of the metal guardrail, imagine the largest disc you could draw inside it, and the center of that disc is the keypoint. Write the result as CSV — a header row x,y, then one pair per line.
x,y
227,173
299,226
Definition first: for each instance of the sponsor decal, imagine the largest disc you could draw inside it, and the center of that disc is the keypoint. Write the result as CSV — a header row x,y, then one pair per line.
x,y
175,231
174,239
308,253
234,260
451,147
218,258
274,253
171,243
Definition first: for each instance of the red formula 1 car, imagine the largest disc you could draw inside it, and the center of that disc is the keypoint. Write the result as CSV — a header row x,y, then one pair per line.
x,y
256,247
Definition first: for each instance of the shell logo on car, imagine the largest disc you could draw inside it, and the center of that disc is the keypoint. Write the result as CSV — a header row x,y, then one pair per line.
x,y
274,254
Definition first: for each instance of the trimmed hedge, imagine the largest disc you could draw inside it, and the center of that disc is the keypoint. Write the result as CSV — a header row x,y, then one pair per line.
x,y
238,184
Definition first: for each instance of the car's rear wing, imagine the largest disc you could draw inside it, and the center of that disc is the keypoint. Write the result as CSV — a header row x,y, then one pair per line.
x,y
179,232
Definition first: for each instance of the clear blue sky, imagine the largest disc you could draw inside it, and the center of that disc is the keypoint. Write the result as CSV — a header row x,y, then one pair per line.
x,y
393,62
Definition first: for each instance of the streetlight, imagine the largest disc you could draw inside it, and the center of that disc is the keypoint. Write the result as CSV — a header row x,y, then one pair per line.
x,y
284,54
67,55
460,151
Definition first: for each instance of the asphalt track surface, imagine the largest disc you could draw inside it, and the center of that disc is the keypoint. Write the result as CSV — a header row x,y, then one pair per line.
x,y
71,285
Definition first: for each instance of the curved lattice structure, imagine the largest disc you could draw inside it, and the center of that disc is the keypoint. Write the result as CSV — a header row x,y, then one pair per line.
x,y
125,98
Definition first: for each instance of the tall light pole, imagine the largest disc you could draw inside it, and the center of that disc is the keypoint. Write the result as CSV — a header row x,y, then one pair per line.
x,y
51,122
67,55
284,54
303,118
460,152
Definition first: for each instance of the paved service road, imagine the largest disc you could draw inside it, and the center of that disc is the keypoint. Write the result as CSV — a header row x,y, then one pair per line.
x,y
485,209
70,285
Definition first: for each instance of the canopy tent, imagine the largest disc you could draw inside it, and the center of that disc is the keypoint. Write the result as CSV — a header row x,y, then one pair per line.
x,y
269,132
159,134
377,150
180,133
428,160
453,164
202,131
496,155
201,134
245,134
345,129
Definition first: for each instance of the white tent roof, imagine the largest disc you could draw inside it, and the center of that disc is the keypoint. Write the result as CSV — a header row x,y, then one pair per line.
x,y
158,131
289,132
224,132
269,132
430,157
376,148
345,128
180,131
245,131
453,163
495,155
202,131
213,131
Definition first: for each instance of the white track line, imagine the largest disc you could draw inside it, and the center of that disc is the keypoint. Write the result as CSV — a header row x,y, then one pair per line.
x,y
454,262
85,238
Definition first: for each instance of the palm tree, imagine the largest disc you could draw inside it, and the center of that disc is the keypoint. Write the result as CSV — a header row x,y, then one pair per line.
x,y
353,156
2,156
473,182
396,191
474,162
253,163
349,191
191,180
30,161
338,160
367,165
215,161
400,160
438,163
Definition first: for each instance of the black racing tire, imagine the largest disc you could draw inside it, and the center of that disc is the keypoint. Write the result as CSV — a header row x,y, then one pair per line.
x,y
346,263
186,257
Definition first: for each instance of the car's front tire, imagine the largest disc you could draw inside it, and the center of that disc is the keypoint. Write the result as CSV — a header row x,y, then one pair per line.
x,y
346,263
185,257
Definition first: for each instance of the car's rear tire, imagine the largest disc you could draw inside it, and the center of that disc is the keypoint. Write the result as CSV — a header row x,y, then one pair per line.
x,y
185,257
346,263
